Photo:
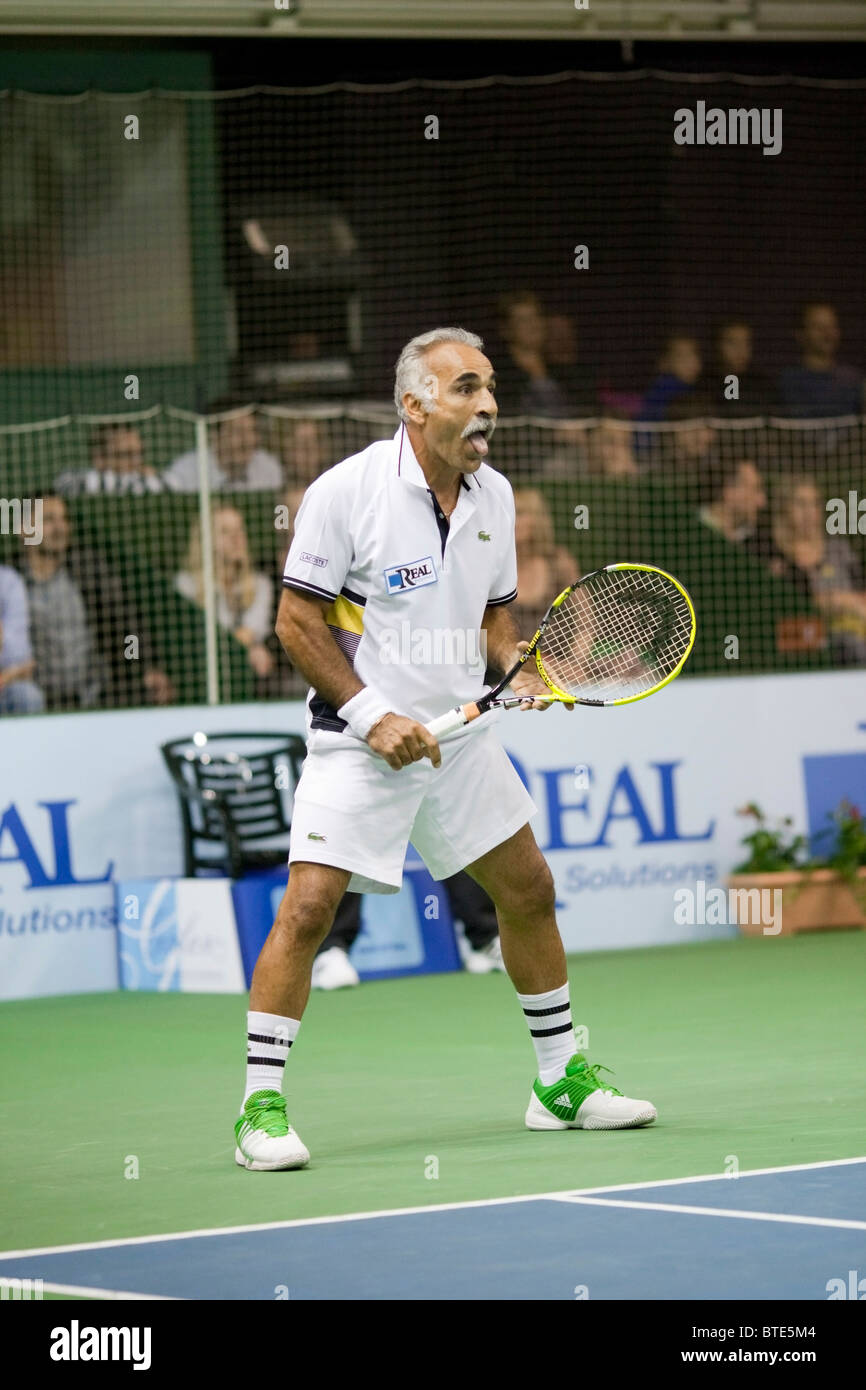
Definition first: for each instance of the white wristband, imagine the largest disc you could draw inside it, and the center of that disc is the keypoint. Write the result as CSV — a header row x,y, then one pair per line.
x,y
364,710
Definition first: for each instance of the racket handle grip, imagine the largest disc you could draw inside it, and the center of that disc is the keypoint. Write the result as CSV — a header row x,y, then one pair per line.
x,y
448,723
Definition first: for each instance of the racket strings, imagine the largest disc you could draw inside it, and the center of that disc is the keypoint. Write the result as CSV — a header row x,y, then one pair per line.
x,y
618,634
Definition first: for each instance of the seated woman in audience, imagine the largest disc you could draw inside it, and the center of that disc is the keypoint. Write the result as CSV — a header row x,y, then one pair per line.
x,y
544,568
18,692
824,566
244,596
612,448
283,681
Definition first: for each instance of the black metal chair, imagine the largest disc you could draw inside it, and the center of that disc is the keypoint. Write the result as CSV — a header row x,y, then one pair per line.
x,y
235,793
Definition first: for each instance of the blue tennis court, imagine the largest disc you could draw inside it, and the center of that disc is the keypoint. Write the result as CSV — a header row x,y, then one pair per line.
x,y
783,1233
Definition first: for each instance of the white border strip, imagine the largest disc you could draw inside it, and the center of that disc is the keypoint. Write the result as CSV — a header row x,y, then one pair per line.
x,y
568,1195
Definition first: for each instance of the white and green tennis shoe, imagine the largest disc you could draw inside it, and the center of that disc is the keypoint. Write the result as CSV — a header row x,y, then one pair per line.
x,y
580,1101
266,1141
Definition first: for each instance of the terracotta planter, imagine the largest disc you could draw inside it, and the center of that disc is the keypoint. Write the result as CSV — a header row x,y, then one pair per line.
x,y
810,902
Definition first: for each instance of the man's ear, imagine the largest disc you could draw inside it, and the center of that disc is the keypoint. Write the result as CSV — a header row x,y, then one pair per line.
x,y
413,408
415,405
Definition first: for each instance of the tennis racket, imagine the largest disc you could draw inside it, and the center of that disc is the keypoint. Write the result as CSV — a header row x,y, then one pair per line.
x,y
616,636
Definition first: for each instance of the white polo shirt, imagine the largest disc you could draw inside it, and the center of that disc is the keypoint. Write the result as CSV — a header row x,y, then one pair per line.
x,y
408,588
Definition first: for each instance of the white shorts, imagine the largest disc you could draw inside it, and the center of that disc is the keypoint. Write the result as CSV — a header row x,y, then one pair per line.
x,y
352,811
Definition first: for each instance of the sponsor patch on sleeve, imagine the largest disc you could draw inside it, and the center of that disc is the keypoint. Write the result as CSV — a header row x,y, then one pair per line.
x,y
309,559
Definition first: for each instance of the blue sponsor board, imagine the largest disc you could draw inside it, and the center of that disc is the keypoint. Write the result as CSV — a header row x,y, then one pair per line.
x,y
147,932
178,935
831,778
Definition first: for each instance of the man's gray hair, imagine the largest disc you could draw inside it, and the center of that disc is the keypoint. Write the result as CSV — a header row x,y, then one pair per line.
x,y
410,374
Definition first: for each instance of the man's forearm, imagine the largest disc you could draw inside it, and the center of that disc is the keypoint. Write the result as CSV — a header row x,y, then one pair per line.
x,y
308,643
502,638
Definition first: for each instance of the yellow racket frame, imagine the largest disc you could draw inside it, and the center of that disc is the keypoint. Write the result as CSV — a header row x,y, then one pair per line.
x,y
563,695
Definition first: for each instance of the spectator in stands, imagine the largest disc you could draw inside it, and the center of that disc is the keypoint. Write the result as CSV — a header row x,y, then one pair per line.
x,y
244,596
236,462
544,568
18,692
735,498
553,451
604,448
679,368
90,645
612,449
689,446
283,682
575,377
732,356
683,443
525,383
819,388
117,466
824,566
305,455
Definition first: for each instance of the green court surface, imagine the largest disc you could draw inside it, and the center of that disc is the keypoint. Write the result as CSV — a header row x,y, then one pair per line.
x,y
752,1050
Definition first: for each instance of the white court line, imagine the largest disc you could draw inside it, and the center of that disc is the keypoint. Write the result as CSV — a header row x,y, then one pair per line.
x,y
84,1292
565,1195
718,1211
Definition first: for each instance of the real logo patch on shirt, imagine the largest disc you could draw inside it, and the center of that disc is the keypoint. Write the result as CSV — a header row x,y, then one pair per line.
x,y
309,559
413,575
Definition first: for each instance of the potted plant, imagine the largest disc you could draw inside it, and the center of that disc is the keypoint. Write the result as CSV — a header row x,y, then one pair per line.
x,y
817,892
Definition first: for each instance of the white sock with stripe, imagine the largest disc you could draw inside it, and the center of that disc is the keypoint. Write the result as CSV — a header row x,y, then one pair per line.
x,y
551,1030
269,1038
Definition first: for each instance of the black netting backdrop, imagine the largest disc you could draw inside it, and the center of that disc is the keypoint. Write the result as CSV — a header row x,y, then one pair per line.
x,y
261,258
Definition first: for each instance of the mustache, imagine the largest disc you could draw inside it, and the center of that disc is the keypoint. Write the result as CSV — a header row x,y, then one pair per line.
x,y
479,424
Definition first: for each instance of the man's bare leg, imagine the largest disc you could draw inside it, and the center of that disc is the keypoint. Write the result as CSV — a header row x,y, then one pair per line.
x,y
281,979
517,877
518,880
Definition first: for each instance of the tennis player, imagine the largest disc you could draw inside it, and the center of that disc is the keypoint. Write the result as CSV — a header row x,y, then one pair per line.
x,y
397,587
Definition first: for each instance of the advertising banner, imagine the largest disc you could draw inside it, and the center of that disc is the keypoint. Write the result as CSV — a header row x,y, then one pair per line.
x,y
178,935
634,804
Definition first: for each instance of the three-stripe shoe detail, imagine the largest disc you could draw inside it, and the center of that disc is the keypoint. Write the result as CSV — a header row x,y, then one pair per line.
x,y
265,1111
265,1139
568,1095
579,1100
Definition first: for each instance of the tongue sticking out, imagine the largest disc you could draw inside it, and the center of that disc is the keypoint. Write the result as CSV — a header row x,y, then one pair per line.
x,y
479,444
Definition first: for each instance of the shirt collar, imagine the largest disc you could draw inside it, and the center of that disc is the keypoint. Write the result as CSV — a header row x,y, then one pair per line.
x,y
409,468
